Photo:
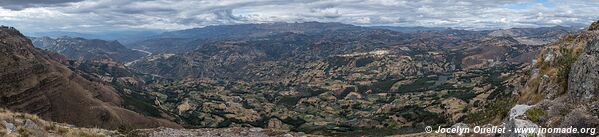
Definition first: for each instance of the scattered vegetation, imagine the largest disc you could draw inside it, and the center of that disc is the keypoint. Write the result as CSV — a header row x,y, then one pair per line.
x,y
594,26
494,112
364,61
23,132
44,128
565,61
129,131
534,114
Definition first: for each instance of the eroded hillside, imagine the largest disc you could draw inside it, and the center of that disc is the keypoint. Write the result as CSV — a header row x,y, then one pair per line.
x,y
31,82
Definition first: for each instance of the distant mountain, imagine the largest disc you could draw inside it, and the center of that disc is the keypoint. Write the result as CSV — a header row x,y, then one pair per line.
x,y
534,36
32,82
194,52
411,29
87,49
126,37
190,39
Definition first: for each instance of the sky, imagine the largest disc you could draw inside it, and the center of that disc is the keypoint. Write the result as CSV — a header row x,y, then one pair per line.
x,y
124,15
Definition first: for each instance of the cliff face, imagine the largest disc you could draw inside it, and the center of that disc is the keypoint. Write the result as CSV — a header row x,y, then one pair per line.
x,y
583,83
31,82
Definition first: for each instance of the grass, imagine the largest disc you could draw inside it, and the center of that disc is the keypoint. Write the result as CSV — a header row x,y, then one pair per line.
x,y
535,114
129,131
565,62
141,106
47,128
497,110
384,86
24,132
364,61
558,72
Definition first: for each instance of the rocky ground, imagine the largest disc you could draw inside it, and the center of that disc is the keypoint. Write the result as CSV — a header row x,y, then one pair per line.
x,y
222,132
24,125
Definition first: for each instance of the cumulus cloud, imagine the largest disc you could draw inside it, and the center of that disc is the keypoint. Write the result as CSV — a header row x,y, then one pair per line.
x,y
102,15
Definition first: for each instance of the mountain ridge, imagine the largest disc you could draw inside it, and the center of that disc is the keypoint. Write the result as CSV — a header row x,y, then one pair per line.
x,y
32,82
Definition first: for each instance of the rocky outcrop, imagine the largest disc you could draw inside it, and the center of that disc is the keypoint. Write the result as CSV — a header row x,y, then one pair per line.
x,y
517,119
583,83
31,82
594,26
564,89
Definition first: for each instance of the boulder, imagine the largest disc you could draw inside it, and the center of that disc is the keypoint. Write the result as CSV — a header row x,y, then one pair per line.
x,y
10,127
515,120
30,124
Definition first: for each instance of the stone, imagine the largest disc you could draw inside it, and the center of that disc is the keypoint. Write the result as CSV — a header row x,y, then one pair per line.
x,y
514,121
243,133
30,124
256,129
10,127
275,123
518,110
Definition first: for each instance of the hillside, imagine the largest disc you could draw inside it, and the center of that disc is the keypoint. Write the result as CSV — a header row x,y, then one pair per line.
x,y
87,49
20,124
31,82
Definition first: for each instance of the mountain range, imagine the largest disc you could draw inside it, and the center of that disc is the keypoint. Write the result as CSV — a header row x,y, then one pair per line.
x,y
328,79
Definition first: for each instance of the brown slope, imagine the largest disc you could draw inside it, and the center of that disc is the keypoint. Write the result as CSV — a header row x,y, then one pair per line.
x,y
31,82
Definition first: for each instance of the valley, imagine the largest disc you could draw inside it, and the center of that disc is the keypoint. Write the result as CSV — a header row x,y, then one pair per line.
x,y
327,79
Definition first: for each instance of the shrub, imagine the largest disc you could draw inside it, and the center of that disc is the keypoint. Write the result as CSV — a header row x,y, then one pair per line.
x,y
129,131
23,132
52,127
62,130
535,114
565,61
496,110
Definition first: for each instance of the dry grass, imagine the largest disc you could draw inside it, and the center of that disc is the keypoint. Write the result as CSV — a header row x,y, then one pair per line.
x,y
530,94
45,128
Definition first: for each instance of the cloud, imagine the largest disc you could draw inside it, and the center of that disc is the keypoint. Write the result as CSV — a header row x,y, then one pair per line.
x,y
102,15
22,4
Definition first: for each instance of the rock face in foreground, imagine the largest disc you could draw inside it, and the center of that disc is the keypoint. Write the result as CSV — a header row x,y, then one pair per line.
x,y
583,82
31,82
563,91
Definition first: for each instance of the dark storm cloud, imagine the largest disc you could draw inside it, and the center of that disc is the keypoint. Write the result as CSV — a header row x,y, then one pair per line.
x,y
21,4
99,15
